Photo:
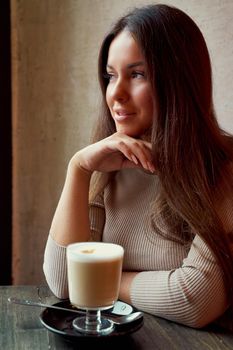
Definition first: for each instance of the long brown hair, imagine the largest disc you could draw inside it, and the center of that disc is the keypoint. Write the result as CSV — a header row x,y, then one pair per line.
x,y
191,152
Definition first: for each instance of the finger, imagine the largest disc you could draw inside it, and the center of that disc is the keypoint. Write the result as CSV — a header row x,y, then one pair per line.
x,y
137,152
128,164
143,155
127,152
147,144
150,164
134,159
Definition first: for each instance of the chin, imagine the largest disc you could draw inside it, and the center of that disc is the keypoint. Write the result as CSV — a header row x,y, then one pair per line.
x,y
139,134
133,132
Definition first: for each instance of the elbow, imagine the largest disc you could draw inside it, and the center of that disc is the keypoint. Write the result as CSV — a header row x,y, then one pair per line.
x,y
60,293
200,316
197,322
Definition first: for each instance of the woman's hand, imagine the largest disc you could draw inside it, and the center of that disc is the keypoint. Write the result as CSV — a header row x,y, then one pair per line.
x,y
114,153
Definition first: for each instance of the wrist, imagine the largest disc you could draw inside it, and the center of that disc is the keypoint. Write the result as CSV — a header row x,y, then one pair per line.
x,y
75,165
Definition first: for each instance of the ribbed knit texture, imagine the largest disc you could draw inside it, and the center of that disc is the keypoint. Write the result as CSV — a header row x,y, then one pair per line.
x,y
177,281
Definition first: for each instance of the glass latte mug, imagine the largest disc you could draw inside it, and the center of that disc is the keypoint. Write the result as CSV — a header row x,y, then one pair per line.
x,y
94,276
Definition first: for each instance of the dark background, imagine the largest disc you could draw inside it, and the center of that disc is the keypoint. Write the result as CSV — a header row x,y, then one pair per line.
x,y
5,145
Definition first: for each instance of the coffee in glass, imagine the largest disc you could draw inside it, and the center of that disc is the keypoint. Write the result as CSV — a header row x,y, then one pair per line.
x,y
94,275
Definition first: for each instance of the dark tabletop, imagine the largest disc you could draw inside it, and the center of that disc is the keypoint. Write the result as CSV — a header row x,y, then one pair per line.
x,y
21,328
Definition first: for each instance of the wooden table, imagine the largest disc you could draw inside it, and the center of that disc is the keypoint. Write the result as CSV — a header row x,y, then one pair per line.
x,y
20,328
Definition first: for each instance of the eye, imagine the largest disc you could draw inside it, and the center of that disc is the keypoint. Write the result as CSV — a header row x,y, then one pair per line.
x,y
138,74
109,76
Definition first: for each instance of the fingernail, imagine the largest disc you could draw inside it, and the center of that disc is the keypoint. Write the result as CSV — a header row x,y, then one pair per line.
x,y
134,159
151,167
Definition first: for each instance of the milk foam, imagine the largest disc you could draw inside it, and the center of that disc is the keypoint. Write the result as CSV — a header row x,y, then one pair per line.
x,y
94,251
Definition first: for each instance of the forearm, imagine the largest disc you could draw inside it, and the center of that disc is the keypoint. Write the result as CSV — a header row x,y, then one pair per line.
x,y
126,280
193,294
71,219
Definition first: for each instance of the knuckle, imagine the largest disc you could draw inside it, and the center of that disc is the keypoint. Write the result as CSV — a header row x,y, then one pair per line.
x,y
121,143
135,144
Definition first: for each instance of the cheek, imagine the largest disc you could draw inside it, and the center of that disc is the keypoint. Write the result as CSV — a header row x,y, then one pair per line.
x,y
107,97
146,100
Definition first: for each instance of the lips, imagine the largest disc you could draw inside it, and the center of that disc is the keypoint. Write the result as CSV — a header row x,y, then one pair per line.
x,y
122,114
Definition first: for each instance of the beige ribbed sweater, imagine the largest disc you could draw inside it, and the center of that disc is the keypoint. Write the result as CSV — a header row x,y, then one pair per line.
x,y
177,282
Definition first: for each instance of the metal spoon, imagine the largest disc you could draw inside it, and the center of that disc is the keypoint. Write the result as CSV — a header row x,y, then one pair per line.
x,y
116,319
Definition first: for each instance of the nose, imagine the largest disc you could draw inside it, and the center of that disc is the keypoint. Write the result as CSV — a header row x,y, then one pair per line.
x,y
118,90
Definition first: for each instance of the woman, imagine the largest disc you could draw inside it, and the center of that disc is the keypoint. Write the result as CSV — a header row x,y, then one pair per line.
x,y
159,173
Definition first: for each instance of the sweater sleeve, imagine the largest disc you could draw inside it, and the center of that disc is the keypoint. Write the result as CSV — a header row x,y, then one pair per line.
x,y
97,218
193,294
54,266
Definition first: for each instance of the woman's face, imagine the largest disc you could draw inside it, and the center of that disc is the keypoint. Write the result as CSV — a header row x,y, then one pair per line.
x,y
129,94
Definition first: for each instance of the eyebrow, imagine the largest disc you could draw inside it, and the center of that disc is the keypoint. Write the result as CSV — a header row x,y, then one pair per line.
x,y
129,66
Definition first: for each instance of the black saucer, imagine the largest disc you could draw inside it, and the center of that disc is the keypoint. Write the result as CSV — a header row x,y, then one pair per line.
x,y
60,322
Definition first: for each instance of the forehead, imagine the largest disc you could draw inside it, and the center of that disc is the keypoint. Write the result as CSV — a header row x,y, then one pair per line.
x,y
124,47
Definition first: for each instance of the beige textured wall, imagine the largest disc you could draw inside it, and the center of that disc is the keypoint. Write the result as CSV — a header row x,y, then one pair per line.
x,y
55,98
